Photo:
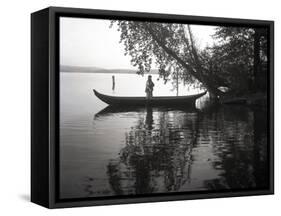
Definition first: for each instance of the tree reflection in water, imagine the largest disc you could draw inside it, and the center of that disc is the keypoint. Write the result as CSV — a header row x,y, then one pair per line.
x,y
241,147
157,154
159,151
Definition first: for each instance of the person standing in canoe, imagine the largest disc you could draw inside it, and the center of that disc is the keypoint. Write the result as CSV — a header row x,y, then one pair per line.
x,y
149,87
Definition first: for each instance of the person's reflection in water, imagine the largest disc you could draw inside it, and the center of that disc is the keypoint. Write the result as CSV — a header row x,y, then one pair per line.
x,y
149,118
147,130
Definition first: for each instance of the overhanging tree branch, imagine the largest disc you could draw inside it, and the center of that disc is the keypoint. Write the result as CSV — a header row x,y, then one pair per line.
x,y
198,75
171,52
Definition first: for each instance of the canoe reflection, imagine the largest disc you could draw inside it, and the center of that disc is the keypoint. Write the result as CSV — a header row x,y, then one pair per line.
x,y
111,110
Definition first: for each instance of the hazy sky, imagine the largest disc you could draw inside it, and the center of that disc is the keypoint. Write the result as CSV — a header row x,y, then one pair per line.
x,y
90,42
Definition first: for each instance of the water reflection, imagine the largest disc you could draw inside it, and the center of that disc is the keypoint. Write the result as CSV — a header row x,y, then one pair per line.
x,y
143,150
157,154
169,150
240,147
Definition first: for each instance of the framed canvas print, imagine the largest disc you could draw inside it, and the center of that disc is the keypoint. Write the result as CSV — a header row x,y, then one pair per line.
x,y
138,107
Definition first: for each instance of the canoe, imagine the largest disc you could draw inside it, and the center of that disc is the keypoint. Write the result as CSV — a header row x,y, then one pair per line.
x,y
154,101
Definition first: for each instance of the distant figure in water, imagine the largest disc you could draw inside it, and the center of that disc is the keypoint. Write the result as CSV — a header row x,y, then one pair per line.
x,y
113,82
149,87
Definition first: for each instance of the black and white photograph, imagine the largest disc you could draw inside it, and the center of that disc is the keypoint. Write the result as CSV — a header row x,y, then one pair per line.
x,y
140,108
161,108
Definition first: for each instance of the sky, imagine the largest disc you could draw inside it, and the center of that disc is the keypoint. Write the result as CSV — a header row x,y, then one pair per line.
x,y
90,42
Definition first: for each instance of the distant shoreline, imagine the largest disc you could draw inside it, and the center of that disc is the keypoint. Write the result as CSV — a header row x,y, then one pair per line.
x,y
90,70
102,72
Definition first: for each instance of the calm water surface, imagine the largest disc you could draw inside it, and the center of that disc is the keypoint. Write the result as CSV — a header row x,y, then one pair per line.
x,y
105,151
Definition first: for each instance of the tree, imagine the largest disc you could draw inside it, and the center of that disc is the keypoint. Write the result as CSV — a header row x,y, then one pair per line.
x,y
174,49
228,63
240,54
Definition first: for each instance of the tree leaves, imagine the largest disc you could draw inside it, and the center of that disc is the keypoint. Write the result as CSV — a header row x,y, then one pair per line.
x,y
172,48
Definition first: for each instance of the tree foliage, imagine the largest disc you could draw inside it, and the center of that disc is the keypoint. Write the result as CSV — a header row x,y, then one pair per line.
x,y
169,45
235,55
172,47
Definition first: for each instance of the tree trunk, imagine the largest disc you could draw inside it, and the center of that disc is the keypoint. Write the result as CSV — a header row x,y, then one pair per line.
x,y
213,91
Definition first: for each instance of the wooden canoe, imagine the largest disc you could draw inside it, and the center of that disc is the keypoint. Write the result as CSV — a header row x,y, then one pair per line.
x,y
154,101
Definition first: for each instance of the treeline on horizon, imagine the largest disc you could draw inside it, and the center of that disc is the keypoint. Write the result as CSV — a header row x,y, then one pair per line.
x,y
83,69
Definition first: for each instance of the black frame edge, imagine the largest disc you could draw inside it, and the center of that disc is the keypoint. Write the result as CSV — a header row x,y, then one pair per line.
x,y
158,16
271,106
166,198
39,107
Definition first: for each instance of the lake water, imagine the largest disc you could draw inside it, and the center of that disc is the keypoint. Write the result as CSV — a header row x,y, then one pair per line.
x,y
106,152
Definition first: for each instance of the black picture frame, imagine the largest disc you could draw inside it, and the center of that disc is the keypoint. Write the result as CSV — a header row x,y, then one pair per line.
x,y
45,106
